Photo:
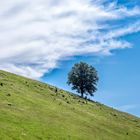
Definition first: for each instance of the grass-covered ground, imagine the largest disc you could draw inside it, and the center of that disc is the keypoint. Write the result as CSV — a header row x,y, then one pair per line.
x,y
31,110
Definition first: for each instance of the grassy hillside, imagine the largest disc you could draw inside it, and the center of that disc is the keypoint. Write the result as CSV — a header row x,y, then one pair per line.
x,y
31,110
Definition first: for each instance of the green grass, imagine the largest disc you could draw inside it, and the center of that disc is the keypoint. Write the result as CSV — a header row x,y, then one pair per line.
x,y
31,110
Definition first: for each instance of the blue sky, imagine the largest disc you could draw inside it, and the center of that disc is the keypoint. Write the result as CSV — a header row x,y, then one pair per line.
x,y
42,39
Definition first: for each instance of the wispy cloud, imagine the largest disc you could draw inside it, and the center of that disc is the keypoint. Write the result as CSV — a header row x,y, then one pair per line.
x,y
35,35
128,107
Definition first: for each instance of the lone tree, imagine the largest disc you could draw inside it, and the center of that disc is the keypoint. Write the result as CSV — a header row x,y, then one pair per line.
x,y
83,78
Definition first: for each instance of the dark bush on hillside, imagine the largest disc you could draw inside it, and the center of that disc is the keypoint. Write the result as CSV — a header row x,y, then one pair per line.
x,y
56,90
63,96
8,94
115,115
1,84
68,102
9,104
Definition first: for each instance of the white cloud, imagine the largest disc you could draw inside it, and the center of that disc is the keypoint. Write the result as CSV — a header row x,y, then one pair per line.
x,y
35,35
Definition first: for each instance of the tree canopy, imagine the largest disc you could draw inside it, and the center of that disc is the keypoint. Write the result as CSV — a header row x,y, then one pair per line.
x,y
83,78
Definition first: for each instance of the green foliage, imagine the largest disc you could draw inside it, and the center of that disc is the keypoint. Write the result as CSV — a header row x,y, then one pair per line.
x,y
83,78
31,110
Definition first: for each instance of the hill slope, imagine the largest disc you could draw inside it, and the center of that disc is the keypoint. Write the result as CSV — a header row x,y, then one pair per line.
x,y
31,110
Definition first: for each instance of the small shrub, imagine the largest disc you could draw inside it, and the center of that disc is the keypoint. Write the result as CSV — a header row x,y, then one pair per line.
x,y
1,84
9,104
63,96
56,90
115,115
68,102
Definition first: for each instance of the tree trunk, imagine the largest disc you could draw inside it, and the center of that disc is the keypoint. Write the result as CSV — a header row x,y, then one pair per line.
x,y
82,94
82,91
